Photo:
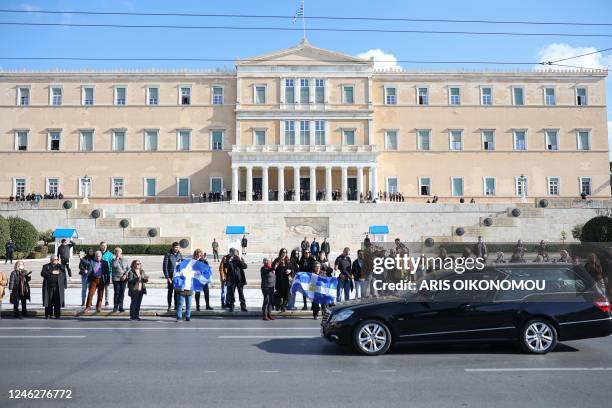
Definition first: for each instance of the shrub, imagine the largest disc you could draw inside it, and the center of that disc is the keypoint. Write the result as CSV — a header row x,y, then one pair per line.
x,y
19,255
37,255
598,229
128,249
42,249
46,236
23,234
577,231
4,235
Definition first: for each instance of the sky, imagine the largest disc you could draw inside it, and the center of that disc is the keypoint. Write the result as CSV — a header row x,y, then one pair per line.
x,y
20,41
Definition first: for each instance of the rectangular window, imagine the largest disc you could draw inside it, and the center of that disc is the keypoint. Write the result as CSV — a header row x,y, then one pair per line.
x,y
119,140
304,91
289,91
304,132
390,96
86,141
424,186
184,140
319,91
259,137
348,96
216,184
118,186
552,140
88,95
85,184
581,97
120,95
56,96
489,186
54,140
151,140
488,140
260,94
53,186
457,186
553,186
585,185
549,96
391,140
348,137
320,132
520,140
289,132
217,95
23,96
182,187
583,140
217,140
518,98
486,96
454,96
423,96
150,187
522,186
152,95
456,140
392,184
20,187
424,139
22,140
185,95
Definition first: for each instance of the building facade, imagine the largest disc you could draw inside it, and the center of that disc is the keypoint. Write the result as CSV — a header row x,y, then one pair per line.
x,y
304,117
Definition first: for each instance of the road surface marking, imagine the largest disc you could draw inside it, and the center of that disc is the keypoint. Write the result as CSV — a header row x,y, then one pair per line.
x,y
267,337
538,369
268,371
158,328
41,337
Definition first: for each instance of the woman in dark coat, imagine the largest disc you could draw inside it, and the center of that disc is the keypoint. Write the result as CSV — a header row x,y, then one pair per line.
x,y
284,271
136,278
20,288
53,287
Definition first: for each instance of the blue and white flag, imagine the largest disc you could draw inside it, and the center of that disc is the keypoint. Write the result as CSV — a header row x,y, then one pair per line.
x,y
199,273
320,289
299,12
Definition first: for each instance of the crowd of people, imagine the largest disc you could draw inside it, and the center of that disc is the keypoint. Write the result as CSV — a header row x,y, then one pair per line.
x,y
36,197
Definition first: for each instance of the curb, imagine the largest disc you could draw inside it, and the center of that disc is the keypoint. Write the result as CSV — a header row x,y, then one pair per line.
x,y
74,312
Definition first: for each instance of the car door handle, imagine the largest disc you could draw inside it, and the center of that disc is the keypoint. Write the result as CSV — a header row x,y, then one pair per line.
x,y
466,307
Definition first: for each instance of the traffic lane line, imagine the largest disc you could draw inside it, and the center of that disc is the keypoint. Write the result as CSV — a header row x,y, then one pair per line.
x,y
156,328
35,336
535,369
267,337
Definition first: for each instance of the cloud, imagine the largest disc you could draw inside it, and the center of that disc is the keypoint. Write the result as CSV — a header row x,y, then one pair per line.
x,y
29,7
382,60
559,51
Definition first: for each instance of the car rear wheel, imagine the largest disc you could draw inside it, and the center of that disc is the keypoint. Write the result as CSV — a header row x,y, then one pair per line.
x,y
538,337
372,338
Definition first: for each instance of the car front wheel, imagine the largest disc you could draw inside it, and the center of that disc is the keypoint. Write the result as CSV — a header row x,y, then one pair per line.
x,y
538,337
372,338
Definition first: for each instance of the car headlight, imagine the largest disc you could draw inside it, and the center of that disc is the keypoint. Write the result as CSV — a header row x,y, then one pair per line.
x,y
342,315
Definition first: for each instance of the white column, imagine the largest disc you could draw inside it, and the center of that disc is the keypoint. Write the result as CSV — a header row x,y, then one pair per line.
x,y
328,183
359,182
235,183
296,182
370,139
344,183
313,183
312,132
249,183
311,90
281,183
264,183
374,182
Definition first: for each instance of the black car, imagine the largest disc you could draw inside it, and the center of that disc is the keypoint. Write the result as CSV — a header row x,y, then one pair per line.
x,y
570,307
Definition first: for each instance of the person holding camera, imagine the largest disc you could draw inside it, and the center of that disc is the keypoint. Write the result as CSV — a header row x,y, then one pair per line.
x,y
20,288
136,278
236,279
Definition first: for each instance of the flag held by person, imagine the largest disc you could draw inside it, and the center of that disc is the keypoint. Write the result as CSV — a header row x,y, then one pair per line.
x,y
199,273
320,289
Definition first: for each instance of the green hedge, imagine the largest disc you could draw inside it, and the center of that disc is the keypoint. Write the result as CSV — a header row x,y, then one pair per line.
x,y
23,234
4,235
128,249
508,248
598,229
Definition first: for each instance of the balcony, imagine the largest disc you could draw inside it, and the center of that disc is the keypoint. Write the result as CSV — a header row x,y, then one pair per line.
x,y
304,148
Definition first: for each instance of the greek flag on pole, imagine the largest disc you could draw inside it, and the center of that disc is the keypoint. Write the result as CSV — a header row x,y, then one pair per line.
x,y
199,271
320,289
299,12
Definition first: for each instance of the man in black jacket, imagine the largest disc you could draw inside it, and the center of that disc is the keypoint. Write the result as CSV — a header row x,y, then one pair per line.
x,y
236,279
10,249
343,265
53,287
63,251
358,270
325,247
171,260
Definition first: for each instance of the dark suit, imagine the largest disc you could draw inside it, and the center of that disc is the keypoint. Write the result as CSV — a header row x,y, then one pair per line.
x,y
53,288
236,279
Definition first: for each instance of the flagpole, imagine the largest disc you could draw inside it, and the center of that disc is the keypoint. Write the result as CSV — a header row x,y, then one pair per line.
x,y
303,22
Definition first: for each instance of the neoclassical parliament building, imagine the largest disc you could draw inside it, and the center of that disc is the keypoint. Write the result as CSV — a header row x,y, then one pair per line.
x,y
323,121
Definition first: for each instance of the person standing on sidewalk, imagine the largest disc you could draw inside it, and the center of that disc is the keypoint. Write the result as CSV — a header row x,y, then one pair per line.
x,y
358,275
306,265
107,257
83,269
53,287
283,275
215,248
244,243
184,294
325,247
97,276
268,282
315,247
3,284
20,288
202,258
9,251
318,307
223,279
171,260
294,263
64,252
343,265
136,278
236,279
120,268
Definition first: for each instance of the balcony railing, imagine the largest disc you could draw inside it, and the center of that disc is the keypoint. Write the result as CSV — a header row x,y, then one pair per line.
x,y
305,148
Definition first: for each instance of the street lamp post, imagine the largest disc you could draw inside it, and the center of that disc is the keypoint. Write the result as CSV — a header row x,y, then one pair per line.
x,y
85,181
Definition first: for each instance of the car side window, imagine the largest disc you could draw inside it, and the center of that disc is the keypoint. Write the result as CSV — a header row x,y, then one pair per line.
x,y
556,280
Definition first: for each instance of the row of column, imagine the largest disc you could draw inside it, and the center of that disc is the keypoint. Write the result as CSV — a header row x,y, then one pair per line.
x,y
296,181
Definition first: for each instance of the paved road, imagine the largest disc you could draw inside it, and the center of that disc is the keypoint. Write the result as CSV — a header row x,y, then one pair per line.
x,y
250,363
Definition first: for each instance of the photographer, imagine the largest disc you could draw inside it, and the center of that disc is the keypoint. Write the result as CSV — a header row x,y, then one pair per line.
x,y
20,288
63,251
234,268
